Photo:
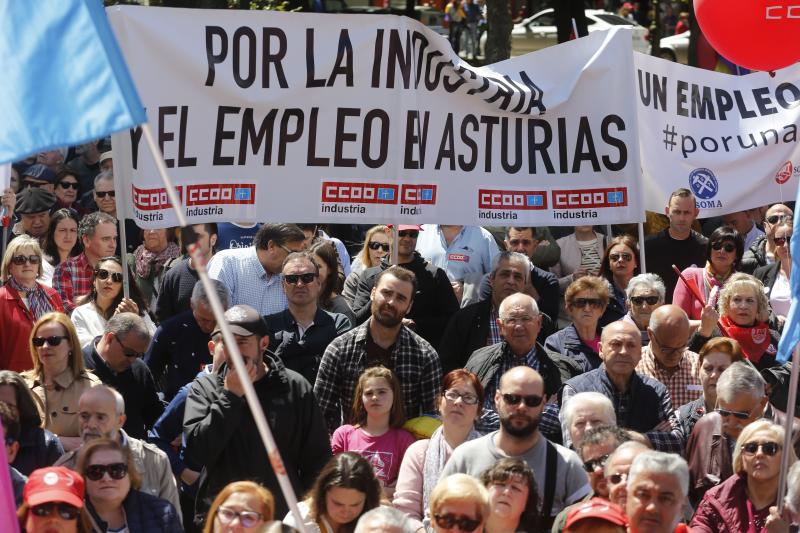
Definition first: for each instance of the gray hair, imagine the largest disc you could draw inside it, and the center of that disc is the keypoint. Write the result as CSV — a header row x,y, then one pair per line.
x,y
629,446
740,378
501,312
124,324
647,281
386,517
199,294
594,399
119,400
89,223
106,175
511,257
661,463
793,492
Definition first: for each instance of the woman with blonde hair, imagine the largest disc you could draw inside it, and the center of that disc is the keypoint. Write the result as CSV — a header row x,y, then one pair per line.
x,y
245,504
459,503
377,244
59,377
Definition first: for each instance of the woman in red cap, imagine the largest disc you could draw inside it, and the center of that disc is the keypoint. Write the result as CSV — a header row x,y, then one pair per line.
x,y
53,502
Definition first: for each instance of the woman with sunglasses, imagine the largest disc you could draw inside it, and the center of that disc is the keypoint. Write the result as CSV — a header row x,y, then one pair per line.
x,y
742,502
53,502
112,496
68,191
23,300
324,253
345,489
513,497
105,300
725,250
59,377
240,507
62,241
377,244
586,300
459,503
776,276
620,263
460,402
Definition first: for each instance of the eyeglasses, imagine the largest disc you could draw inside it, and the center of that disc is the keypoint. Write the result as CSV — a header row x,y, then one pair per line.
x,y
467,397
618,477
53,340
580,303
305,279
115,471
102,273
69,185
375,245
408,233
767,448
103,194
641,300
513,400
594,464
20,260
65,511
128,351
780,241
514,320
667,351
774,219
464,523
625,256
738,414
728,246
227,515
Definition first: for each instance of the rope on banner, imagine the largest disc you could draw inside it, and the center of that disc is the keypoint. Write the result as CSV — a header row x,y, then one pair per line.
x,y
230,341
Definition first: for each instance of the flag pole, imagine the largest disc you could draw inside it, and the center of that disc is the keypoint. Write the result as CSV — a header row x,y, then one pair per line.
x,y
787,439
642,262
230,341
123,241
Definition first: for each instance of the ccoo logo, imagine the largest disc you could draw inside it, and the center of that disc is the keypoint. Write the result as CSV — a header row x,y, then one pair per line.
x,y
703,183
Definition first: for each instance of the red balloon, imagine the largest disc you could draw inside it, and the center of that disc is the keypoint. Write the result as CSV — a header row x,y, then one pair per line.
x,y
756,34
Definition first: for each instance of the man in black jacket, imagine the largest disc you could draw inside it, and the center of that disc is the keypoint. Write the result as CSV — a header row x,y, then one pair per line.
x,y
220,430
434,303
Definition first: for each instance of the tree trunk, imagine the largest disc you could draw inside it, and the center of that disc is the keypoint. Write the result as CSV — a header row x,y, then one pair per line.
x,y
498,38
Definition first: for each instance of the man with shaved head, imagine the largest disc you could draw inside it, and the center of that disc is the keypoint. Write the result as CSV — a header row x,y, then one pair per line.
x,y
762,251
641,403
667,359
519,401
101,414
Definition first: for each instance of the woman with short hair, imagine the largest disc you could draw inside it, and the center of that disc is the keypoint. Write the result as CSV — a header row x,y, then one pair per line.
x,y
241,506
459,503
513,496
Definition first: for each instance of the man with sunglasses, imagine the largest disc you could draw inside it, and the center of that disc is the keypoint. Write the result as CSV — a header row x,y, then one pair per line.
x,y
102,414
116,358
39,176
300,334
519,400
667,359
678,244
762,251
9,417
33,208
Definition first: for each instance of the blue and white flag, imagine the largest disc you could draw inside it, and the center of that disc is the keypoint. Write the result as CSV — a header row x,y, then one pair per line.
x,y
64,81
791,330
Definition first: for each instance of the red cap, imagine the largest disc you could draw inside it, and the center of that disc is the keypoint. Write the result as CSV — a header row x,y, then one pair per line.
x,y
597,508
54,484
404,227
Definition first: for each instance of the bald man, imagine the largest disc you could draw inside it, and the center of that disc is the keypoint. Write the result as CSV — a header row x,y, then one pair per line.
x,y
641,403
519,401
762,251
667,359
101,414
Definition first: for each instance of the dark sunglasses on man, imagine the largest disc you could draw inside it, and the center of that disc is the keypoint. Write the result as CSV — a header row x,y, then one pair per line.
x,y
103,194
408,233
774,219
305,279
513,400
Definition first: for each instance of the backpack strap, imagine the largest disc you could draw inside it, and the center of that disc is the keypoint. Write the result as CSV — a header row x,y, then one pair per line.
x,y
551,467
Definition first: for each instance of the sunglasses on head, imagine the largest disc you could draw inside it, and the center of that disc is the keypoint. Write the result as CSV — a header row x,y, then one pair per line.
x,y
593,464
20,260
247,519
375,245
102,273
103,194
780,241
728,246
530,400
726,413
767,448
305,279
625,256
641,300
115,471
68,185
774,219
580,303
53,340
408,233
464,523
65,511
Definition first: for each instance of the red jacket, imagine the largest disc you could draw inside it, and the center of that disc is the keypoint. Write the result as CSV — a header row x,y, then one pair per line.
x,y
16,323
724,508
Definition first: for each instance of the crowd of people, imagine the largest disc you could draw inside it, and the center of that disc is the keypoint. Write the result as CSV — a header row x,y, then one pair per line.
x,y
448,378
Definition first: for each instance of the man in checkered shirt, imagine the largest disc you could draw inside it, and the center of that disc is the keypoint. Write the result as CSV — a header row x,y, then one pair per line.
x,y
382,340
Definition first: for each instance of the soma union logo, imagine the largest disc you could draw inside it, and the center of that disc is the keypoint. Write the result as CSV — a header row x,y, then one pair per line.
x,y
703,183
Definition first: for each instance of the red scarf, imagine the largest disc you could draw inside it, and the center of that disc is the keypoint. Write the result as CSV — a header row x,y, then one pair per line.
x,y
754,340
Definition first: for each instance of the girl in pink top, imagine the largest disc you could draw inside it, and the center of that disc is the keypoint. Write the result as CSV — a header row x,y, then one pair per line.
x,y
376,432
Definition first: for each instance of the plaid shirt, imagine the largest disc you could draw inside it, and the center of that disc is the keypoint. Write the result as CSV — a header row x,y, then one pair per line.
x,y
72,279
683,384
414,362
494,330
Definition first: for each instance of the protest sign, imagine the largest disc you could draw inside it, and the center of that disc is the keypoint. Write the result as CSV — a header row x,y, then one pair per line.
x,y
270,116
732,140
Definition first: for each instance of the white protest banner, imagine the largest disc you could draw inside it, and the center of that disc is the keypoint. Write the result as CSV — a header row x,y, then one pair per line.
x,y
732,140
270,116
